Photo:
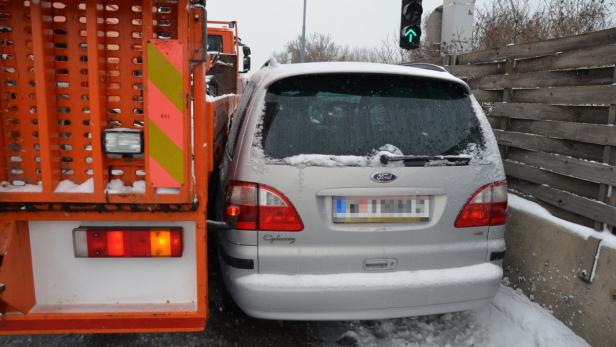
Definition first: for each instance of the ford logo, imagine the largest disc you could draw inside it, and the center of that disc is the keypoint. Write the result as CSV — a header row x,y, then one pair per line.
x,y
383,177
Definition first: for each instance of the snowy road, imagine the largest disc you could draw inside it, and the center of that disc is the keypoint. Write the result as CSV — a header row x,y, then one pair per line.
x,y
511,320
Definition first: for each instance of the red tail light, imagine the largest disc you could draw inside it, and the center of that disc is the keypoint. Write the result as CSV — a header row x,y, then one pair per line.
x,y
127,242
260,207
487,206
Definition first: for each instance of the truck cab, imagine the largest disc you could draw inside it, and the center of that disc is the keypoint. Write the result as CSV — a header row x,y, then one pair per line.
x,y
229,58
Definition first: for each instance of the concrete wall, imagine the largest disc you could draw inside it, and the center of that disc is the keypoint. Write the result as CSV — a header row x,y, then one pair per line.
x,y
546,261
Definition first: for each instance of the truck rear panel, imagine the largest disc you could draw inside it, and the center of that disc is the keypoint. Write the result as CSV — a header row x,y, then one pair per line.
x,y
73,71
48,290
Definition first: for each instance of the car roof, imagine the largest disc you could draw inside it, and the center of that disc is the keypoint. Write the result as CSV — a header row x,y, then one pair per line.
x,y
273,71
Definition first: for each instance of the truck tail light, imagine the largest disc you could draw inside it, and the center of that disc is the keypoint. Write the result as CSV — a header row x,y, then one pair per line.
x,y
259,207
486,207
97,242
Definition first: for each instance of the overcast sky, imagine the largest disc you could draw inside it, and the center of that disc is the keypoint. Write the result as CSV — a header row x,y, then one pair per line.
x,y
266,25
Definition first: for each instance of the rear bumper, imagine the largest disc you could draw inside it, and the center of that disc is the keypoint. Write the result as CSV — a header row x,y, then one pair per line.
x,y
363,295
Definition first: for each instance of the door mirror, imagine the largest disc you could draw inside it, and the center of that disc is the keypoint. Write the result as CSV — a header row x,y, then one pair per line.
x,y
247,62
246,50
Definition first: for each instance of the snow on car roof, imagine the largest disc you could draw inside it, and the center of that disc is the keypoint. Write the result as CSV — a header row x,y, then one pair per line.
x,y
274,72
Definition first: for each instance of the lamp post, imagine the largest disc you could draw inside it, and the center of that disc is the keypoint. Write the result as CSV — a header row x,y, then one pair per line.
x,y
303,43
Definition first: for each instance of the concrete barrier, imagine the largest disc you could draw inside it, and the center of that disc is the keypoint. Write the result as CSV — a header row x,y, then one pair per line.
x,y
567,268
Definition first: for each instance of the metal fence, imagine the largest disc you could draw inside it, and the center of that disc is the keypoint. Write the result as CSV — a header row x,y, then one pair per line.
x,y
552,105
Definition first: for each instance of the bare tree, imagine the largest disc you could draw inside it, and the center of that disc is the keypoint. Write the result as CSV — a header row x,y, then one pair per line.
x,y
515,21
319,47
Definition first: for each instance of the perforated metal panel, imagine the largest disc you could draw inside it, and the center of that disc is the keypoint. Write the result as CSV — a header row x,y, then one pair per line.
x,y
17,95
52,116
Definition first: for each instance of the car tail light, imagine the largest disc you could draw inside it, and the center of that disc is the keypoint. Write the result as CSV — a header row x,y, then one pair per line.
x,y
128,242
487,206
259,207
242,205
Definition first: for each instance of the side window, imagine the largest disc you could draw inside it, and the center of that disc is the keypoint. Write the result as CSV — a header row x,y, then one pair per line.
x,y
238,118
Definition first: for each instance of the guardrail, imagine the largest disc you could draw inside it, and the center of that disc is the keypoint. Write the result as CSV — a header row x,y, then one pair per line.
x,y
552,105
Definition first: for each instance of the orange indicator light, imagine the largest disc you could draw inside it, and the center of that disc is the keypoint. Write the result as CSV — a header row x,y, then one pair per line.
x,y
160,243
233,211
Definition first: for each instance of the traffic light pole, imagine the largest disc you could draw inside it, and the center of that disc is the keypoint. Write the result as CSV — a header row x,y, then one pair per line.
x,y
302,53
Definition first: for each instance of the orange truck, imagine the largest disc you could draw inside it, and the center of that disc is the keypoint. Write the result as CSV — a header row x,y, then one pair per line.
x,y
106,146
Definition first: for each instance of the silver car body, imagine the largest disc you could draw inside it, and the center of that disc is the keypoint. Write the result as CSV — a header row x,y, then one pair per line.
x,y
333,271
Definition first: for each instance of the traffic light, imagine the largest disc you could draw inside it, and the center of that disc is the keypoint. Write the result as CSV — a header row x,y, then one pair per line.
x,y
410,24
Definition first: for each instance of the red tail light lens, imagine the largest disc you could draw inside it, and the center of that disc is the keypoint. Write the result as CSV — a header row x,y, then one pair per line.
x,y
260,207
486,207
276,212
128,242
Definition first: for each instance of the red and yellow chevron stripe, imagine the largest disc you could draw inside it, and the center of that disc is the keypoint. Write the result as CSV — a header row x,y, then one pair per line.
x,y
165,113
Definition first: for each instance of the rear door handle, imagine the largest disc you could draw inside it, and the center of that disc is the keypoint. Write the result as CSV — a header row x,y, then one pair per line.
x,y
380,264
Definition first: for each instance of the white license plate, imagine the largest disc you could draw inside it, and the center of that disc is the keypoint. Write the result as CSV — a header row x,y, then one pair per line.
x,y
399,209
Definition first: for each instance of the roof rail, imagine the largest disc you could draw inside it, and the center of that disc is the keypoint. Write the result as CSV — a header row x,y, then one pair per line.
x,y
426,66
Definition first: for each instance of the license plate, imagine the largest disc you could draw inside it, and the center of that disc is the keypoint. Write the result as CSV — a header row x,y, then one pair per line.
x,y
403,209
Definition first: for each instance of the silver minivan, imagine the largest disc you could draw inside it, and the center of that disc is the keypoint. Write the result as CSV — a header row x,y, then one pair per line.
x,y
360,191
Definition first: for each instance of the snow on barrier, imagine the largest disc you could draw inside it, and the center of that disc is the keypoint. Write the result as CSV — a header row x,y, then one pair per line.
x,y
566,267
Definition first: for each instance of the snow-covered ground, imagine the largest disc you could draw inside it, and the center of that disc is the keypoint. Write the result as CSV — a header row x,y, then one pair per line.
x,y
511,320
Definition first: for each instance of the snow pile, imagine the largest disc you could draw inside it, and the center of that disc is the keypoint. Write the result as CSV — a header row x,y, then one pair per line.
x,y
167,191
68,186
7,187
511,310
373,160
511,320
118,187
519,203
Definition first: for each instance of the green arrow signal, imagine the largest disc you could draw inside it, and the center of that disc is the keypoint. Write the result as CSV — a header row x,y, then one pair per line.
x,y
411,34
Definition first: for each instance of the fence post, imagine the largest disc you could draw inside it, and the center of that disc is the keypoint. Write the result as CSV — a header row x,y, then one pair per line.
x,y
452,59
608,193
505,122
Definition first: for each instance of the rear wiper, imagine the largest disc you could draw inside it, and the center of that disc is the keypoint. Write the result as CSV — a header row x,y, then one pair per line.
x,y
421,160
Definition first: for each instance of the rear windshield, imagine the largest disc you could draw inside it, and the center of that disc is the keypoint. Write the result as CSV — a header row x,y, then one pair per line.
x,y
360,114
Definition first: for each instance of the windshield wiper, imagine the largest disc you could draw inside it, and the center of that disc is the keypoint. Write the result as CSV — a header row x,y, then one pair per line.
x,y
421,160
